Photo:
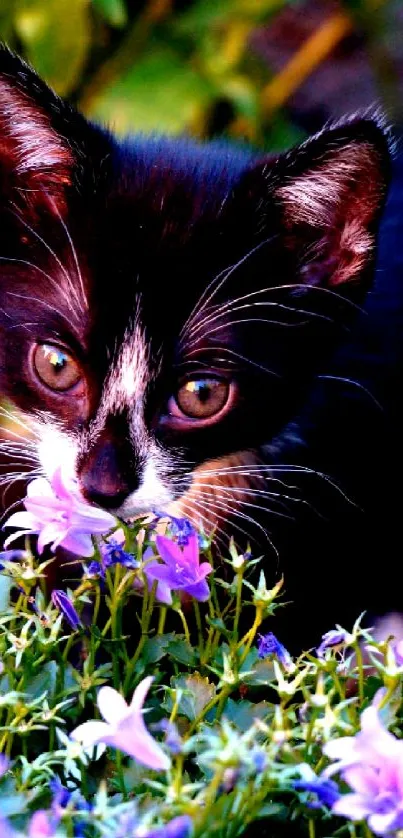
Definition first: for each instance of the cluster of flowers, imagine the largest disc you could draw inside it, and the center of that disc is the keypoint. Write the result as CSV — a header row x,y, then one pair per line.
x,y
332,756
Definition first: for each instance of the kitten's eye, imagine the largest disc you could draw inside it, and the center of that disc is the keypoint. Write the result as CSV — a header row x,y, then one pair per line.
x,y
202,398
55,367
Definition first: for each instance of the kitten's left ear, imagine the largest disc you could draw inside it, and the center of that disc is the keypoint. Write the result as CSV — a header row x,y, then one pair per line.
x,y
326,196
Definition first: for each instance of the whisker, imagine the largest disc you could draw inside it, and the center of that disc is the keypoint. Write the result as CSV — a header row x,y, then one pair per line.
x,y
74,254
221,278
37,300
236,355
354,384
229,308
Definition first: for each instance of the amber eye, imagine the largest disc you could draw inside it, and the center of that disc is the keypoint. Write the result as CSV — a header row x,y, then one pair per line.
x,y
55,367
203,397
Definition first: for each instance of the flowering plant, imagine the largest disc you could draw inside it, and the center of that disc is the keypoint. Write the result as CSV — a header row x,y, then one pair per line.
x,y
133,705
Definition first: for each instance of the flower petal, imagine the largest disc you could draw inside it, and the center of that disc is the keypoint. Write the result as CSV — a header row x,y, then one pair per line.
x,y
78,543
133,738
140,694
23,519
198,590
112,705
385,824
169,551
40,487
191,551
353,806
91,733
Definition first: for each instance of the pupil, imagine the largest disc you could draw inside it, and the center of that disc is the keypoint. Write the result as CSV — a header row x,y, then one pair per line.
x,y
56,358
202,389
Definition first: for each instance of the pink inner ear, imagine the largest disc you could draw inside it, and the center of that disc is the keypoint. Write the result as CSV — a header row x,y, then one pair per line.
x,y
340,197
31,152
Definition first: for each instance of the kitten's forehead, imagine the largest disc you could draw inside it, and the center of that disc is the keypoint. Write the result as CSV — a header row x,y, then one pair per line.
x,y
130,371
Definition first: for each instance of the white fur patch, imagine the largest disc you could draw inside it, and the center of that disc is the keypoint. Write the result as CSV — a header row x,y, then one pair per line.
x,y
152,494
55,448
128,378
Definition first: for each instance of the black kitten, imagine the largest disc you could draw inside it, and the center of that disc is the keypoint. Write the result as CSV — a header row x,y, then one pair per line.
x,y
167,308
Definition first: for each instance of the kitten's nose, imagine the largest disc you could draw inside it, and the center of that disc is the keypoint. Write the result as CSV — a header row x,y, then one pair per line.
x,y
103,479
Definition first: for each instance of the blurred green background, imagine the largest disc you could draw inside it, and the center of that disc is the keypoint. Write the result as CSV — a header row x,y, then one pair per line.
x,y
264,71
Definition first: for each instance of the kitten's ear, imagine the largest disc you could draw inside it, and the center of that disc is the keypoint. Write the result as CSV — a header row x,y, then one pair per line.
x,y
40,137
327,195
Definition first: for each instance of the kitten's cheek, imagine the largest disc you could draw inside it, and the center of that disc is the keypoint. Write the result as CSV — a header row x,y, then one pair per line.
x,y
178,421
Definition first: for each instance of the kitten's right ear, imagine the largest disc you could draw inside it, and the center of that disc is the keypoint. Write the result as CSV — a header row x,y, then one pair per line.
x,y
325,198
42,138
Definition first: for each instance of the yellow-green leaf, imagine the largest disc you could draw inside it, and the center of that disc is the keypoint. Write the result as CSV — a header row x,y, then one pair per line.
x,y
56,38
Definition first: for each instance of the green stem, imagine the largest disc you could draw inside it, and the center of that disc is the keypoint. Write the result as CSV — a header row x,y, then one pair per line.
x,y
199,628
184,623
250,635
161,620
238,605
311,828
360,667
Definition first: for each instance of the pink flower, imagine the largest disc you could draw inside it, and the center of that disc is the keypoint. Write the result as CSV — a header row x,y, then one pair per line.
x,y
181,570
41,826
371,763
58,514
124,727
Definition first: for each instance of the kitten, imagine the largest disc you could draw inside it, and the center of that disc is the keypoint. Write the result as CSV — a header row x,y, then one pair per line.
x,y
167,310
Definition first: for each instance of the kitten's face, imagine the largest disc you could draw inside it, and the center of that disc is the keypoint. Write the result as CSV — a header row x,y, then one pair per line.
x,y
165,306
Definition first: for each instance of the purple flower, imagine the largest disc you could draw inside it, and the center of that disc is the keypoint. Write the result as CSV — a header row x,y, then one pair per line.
x,y
181,570
58,514
173,740
41,825
124,727
326,791
180,827
269,645
65,605
181,530
112,552
371,763
397,648
332,638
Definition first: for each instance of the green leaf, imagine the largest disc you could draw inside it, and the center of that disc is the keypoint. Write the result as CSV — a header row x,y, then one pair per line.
x,y
197,693
180,650
114,11
243,713
43,682
56,38
155,648
159,93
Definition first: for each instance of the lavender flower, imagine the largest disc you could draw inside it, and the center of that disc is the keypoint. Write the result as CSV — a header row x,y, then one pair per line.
x,y
182,571
124,727
58,514
371,763
269,645
332,638
180,827
65,605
